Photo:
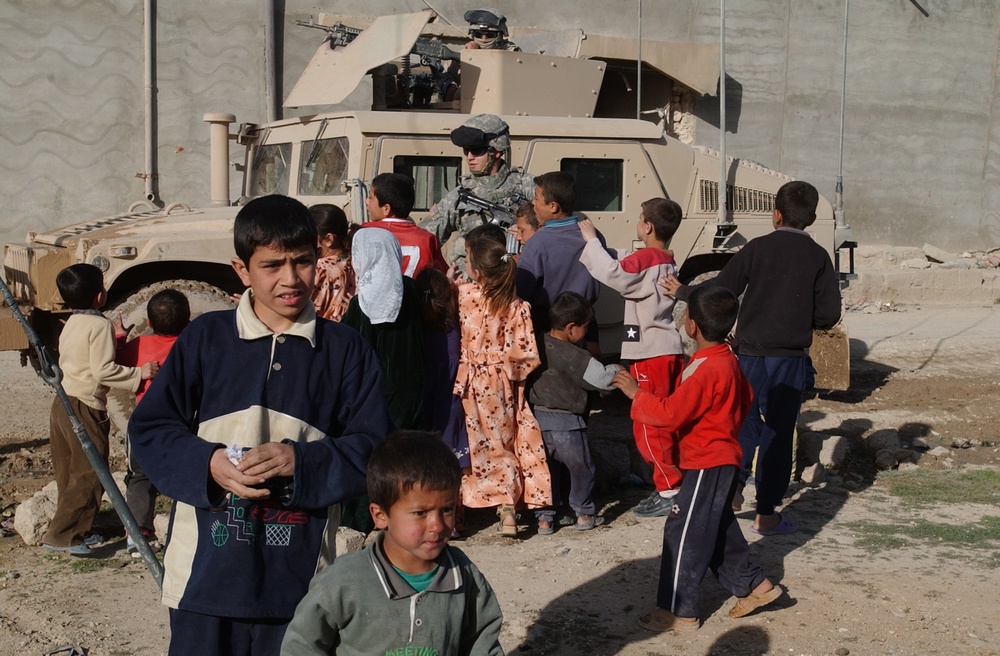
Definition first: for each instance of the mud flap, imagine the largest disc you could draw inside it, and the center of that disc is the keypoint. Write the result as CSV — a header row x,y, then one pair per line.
x,y
831,356
12,337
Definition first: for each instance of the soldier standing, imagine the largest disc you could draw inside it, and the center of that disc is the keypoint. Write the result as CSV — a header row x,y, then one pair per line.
x,y
485,140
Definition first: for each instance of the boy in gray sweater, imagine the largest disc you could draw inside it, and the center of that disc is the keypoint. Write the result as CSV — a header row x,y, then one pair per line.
x,y
559,400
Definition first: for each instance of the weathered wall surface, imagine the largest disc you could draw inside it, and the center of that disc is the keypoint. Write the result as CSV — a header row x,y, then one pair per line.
x,y
921,153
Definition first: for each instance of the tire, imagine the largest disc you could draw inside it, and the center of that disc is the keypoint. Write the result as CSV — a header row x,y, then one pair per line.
x,y
203,297
680,310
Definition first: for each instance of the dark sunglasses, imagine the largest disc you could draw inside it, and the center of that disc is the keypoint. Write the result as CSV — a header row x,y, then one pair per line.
x,y
476,152
484,34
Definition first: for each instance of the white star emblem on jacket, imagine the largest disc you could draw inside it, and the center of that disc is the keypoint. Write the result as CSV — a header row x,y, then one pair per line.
x,y
631,333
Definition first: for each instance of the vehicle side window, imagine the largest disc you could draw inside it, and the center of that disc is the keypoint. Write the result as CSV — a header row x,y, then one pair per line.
x,y
598,183
433,177
324,167
269,174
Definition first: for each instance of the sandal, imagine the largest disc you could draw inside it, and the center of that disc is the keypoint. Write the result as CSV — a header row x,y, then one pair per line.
x,y
506,511
661,620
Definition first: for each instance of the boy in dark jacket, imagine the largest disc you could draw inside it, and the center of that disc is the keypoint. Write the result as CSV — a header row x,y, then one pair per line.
x,y
559,399
790,287
298,401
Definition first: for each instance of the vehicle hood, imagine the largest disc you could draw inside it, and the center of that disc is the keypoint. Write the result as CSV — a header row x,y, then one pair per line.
x,y
139,224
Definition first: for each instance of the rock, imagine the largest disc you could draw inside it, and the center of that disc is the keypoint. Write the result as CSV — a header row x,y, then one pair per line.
x,y
827,450
958,264
33,516
935,254
349,540
119,481
908,466
916,263
939,452
886,438
161,523
906,455
920,444
842,651
960,443
885,459
611,461
814,474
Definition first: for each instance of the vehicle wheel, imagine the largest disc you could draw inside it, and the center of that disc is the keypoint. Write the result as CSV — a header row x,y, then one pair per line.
x,y
202,297
680,309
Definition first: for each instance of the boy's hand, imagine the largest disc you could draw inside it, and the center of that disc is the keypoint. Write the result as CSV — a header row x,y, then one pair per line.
x,y
233,480
669,284
268,460
150,369
120,328
235,298
626,384
587,229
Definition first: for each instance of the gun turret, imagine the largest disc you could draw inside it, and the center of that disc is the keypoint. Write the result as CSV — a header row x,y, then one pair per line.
x,y
341,35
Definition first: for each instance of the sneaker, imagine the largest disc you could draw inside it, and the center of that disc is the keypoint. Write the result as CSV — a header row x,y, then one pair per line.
x,y
93,539
659,508
650,500
73,549
130,545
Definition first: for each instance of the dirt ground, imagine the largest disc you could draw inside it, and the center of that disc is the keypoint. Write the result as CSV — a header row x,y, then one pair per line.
x,y
924,372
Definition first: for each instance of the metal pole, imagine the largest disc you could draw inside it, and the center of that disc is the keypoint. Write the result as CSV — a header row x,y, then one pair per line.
x,y
270,59
638,65
723,195
838,204
52,375
149,52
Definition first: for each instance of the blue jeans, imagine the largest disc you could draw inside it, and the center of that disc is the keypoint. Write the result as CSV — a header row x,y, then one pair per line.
x,y
777,384
569,449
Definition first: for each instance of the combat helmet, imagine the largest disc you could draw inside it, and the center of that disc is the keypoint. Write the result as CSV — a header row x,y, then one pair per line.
x,y
483,131
487,27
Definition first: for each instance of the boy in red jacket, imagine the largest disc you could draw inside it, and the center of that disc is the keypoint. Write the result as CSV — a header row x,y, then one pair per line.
x,y
701,532
168,313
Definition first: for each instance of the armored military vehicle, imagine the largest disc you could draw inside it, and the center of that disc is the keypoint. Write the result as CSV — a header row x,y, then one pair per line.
x,y
565,111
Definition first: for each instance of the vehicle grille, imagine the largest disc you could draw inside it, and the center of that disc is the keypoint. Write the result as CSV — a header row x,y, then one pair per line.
x,y
16,264
739,200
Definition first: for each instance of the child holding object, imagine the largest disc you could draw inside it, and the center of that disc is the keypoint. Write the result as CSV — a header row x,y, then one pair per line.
x,y
701,532
301,398
559,398
650,341
507,455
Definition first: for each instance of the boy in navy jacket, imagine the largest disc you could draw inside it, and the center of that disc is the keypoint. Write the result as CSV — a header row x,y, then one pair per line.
x,y
298,402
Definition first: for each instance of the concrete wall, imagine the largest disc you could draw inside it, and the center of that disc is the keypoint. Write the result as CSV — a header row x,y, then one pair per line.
x,y
921,154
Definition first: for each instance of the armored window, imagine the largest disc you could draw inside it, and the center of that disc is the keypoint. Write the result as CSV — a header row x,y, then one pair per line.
x,y
598,183
269,174
324,167
433,177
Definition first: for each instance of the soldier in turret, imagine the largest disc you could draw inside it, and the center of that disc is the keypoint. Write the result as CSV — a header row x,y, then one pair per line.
x,y
485,140
488,30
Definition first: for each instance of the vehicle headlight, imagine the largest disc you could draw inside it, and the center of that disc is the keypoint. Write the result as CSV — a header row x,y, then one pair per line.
x,y
101,263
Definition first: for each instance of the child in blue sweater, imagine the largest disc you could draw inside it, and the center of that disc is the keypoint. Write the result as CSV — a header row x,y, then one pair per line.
x,y
298,402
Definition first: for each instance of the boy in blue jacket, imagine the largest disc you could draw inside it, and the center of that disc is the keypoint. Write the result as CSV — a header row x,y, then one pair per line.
x,y
261,424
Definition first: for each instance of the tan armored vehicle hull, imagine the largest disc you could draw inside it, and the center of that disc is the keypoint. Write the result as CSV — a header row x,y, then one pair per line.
x,y
330,157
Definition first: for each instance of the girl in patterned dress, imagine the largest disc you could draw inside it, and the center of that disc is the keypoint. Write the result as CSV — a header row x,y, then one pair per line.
x,y
498,351
335,279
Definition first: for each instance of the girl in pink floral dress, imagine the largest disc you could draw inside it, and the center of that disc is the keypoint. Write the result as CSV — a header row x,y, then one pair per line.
x,y
335,280
508,466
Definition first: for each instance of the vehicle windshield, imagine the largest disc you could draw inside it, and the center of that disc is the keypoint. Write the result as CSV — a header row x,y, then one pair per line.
x,y
269,173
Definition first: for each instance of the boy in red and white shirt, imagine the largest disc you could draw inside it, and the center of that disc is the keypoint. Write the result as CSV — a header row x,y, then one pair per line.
x,y
701,531
389,202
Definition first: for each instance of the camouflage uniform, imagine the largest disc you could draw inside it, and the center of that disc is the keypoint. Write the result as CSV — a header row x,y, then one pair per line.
x,y
506,187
